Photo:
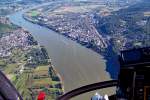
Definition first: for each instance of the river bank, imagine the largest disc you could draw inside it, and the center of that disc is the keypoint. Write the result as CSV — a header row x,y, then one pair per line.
x,y
76,64
108,53
27,64
85,44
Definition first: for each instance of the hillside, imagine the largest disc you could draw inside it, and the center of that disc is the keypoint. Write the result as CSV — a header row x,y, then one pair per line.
x,y
128,27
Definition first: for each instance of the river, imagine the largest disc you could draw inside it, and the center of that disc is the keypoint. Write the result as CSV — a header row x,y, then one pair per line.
x,y
76,64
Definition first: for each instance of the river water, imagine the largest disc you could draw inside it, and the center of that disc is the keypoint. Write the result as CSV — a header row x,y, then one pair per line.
x,y
76,64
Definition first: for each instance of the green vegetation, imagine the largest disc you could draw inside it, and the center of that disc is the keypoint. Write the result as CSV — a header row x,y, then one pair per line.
x,y
2,63
128,27
4,12
127,21
22,83
6,28
31,80
34,13
10,68
28,68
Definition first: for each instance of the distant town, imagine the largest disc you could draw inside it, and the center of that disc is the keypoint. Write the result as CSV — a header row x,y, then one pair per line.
x,y
74,20
87,23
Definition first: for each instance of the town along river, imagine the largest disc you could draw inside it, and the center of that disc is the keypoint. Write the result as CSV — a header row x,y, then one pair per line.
x,y
76,64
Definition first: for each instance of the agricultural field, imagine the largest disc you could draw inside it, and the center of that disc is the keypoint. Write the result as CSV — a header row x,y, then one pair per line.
x,y
33,13
75,9
27,64
30,80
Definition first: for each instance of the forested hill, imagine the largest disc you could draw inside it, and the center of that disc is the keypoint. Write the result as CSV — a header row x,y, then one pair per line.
x,y
128,27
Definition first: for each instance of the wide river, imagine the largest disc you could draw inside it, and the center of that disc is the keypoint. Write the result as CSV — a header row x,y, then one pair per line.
x,y
76,64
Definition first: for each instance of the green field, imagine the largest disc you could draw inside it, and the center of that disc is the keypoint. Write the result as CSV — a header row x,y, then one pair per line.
x,y
34,13
28,80
2,63
10,68
22,84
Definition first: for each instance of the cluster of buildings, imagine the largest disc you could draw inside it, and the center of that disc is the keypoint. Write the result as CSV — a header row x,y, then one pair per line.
x,y
123,42
76,26
7,9
17,38
4,20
